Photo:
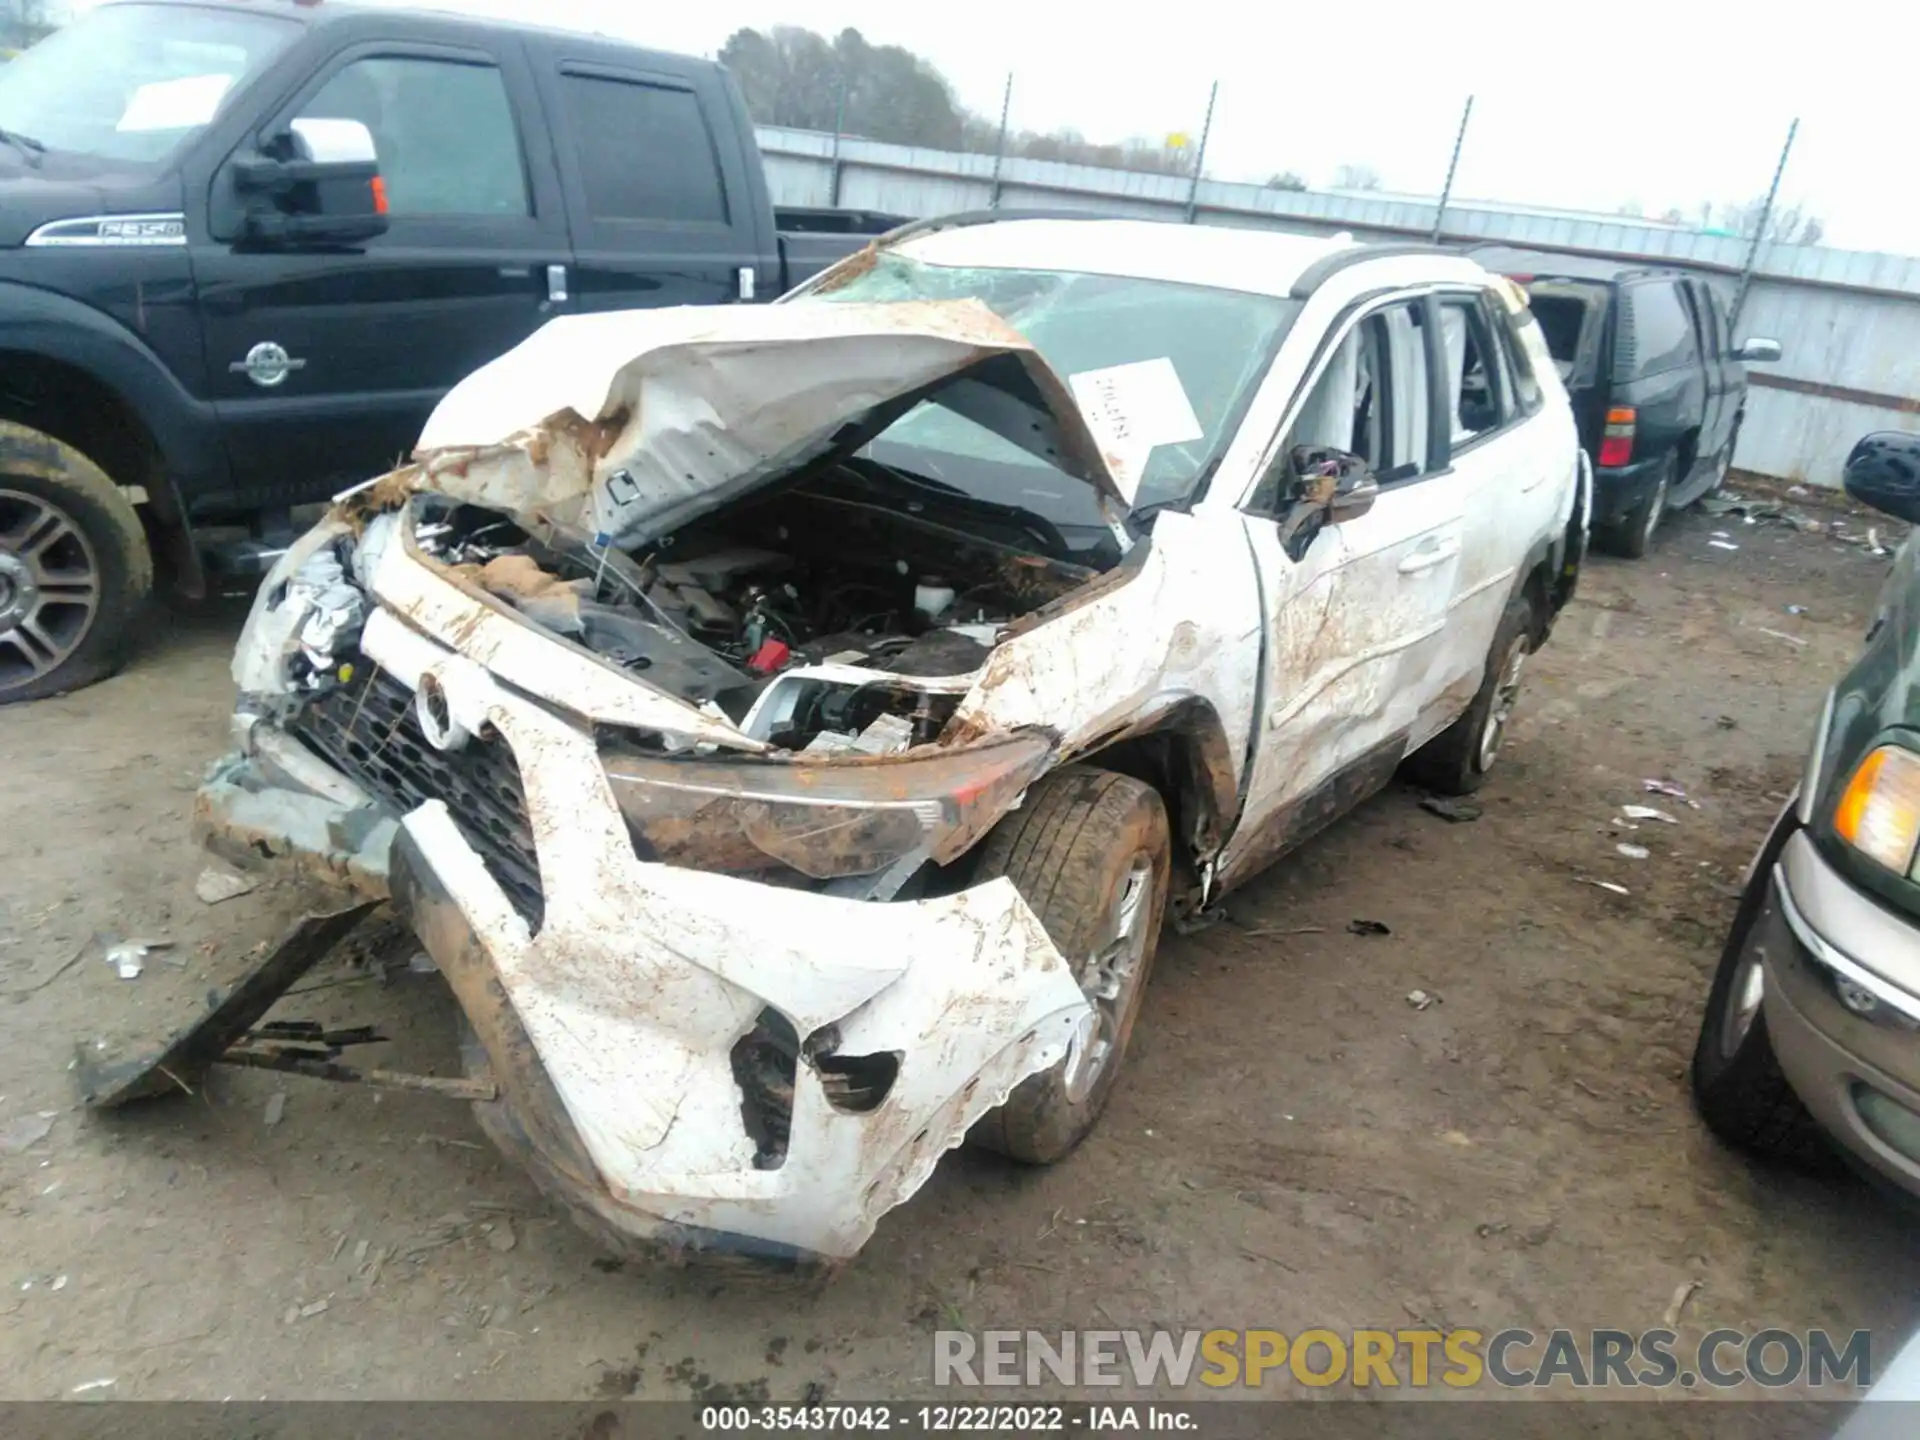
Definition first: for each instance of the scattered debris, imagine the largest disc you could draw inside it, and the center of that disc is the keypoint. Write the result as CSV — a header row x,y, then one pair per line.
x,y
1720,535
1420,999
1782,635
216,884
1632,852
1669,789
1874,547
87,1385
1647,812
1726,722
502,1239
1796,609
1367,927
1723,545
59,1284
1264,930
1457,812
421,963
1608,885
276,1108
318,1307
1681,1295
128,957
26,1132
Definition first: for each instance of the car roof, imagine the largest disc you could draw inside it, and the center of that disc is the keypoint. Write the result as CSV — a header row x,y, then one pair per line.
x,y
1259,262
325,12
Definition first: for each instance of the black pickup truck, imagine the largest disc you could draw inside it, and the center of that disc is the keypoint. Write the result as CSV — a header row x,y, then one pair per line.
x,y
245,248
1657,380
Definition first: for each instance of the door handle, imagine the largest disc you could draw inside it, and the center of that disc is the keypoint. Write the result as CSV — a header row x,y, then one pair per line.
x,y
1428,555
557,284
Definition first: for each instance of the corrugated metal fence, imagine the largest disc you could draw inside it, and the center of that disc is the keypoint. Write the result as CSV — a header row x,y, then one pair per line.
x,y
1849,321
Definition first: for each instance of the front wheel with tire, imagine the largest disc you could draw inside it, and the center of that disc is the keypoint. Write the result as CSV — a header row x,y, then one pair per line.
x,y
1090,852
1456,761
1738,1085
1633,533
75,571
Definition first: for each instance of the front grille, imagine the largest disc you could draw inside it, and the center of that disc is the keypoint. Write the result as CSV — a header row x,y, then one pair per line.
x,y
367,729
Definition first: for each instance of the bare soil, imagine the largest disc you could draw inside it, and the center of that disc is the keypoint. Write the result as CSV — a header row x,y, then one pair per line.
x,y
1293,1143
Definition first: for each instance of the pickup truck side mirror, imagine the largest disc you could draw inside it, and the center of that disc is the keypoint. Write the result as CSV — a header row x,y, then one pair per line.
x,y
318,183
1757,351
1884,471
1328,487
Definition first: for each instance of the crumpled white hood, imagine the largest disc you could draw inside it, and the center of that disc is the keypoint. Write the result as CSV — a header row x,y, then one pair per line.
x,y
632,422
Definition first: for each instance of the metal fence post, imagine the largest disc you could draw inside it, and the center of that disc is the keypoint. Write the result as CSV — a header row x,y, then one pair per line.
x,y
839,123
1446,190
1000,145
1760,229
1200,159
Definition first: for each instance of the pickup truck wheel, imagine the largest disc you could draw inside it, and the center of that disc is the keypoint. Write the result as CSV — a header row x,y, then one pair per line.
x,y
75,571
1631,536
1090,852
1456,761
1738,1086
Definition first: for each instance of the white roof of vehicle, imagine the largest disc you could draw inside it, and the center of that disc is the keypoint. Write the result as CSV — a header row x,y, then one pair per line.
x,y
1260,262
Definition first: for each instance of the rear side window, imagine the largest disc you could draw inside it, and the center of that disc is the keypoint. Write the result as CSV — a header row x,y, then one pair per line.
x,y
1526,387
1656,332
644,150
1472,382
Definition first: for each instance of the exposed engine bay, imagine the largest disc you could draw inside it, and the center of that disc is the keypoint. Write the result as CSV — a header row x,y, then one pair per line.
x,y
839,581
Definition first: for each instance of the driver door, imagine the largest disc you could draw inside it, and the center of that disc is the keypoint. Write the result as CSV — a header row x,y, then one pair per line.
x,y
369,339
1356,611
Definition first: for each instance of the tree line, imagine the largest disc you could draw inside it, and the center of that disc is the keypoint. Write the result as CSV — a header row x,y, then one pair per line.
x,y
794,77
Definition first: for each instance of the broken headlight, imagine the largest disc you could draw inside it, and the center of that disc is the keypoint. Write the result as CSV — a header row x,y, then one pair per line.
x,y
826,821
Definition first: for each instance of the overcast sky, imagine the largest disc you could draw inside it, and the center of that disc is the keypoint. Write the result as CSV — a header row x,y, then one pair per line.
x,y
1660,102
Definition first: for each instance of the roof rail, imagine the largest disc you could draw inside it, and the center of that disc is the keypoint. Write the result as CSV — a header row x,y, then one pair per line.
x,y
1327,266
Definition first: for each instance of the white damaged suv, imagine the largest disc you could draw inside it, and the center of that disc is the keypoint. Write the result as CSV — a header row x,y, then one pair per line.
x,y
788,727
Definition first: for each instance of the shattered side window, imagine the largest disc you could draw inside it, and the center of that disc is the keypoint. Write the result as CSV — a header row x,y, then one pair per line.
x,y
1217,342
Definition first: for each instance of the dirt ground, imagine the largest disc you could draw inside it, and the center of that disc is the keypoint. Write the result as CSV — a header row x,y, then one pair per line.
x,y
1293,1144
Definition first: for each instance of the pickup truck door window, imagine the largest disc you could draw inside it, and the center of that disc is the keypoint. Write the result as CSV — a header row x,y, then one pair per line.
x,y
371,339
661,213
1354,620
444,133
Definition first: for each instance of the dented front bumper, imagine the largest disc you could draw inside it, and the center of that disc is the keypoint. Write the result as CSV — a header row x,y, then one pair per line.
x,y
613,1010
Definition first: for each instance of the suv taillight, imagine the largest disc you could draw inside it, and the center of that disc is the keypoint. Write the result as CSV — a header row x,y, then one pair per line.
x,y
1616,445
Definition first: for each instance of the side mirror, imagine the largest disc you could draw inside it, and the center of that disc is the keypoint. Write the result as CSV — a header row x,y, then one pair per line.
x,y
318,183
1757,351
1884,471
1328,486
1334,482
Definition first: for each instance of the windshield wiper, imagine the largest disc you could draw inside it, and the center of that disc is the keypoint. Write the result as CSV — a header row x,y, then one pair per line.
x,y
31,148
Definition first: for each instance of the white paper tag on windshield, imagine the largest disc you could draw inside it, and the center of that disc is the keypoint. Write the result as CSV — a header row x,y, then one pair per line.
x,y
1132,408
174,104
